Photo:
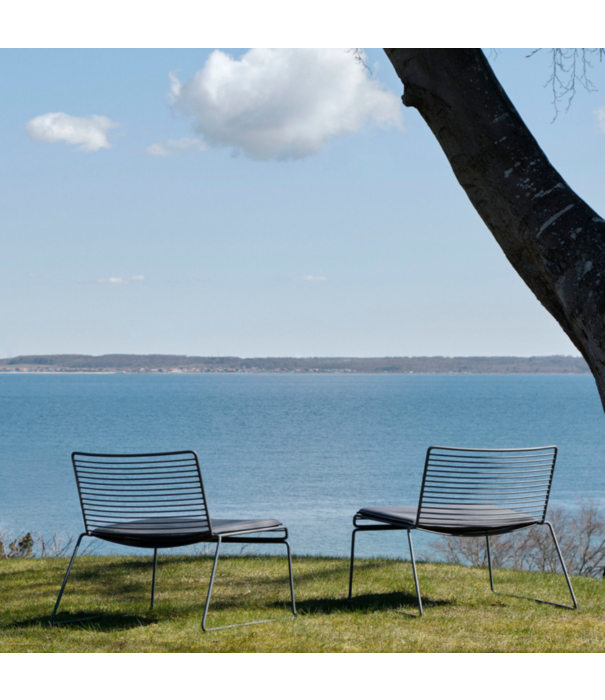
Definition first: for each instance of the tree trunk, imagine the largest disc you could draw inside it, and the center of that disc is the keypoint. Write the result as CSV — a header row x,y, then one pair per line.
x,y
554,240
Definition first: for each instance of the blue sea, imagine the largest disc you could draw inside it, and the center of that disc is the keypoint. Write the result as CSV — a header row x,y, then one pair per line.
x,y
309,450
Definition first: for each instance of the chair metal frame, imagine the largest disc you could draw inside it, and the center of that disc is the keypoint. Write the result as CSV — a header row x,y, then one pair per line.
x,y
500,490
154,501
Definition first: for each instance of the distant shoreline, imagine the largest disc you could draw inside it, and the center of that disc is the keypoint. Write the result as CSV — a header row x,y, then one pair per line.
x,y
222,374
184,364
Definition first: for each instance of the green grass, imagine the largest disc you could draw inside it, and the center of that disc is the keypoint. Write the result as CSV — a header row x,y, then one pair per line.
x,y
461,613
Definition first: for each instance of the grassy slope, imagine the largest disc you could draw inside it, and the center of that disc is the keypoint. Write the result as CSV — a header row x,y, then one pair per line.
x,y
461,613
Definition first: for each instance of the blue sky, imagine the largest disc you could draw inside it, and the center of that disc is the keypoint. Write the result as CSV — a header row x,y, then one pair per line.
x,y
320,220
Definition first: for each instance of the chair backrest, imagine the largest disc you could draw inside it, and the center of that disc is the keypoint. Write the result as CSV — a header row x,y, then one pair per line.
x,y
466,489
166,487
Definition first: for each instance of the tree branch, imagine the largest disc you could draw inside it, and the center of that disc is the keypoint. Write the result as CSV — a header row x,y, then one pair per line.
x,y
360,58
569,67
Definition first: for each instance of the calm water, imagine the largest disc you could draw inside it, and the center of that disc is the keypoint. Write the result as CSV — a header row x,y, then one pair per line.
x,y
308,450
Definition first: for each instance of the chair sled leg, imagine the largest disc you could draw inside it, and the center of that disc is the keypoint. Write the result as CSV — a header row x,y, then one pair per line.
x,y
350,598
351,567
415,574
256,622
71,562
155,568
291,579
537,600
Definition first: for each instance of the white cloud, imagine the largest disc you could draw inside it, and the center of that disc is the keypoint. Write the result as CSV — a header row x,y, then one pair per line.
x,y
122,280
314,278
600,115
88,133
283,103
173,146
175,88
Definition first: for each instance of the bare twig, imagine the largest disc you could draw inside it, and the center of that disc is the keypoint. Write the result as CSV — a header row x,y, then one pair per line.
x,y
581,535
493,54
569,67
360,57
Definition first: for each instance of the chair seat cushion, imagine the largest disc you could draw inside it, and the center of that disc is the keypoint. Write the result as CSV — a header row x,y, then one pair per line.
x,y
226,527
452,519
175,532
397,515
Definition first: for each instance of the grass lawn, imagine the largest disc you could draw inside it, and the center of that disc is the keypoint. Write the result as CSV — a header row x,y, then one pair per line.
x,y
461,613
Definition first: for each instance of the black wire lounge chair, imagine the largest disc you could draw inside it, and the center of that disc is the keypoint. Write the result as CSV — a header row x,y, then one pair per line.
x,y
471,492
157,501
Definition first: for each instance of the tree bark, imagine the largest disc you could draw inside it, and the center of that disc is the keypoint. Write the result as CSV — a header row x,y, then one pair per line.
x,y
554,240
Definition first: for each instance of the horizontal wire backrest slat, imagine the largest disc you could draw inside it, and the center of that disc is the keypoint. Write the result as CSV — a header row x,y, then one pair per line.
x,y
117,492
160,492
506,487
475,488
487,459
144,509
126,501
122,460
140,472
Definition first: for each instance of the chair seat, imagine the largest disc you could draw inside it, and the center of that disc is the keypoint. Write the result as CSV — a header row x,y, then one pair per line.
x,y
159,533
396,515
226,527
452,519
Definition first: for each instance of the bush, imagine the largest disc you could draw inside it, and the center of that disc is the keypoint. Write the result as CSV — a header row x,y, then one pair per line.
x,y
38,545
19,547
581,536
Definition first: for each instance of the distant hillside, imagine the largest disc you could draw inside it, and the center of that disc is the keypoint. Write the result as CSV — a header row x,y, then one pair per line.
x,y
552,364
